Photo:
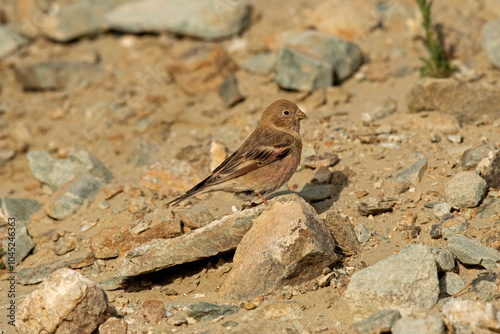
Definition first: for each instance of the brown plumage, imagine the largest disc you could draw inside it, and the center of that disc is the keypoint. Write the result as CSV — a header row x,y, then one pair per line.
x,y
264,162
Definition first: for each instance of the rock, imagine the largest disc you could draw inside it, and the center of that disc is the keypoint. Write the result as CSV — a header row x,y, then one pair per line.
x,y
489,208
66,244
465,190
229,92
485,287
472,313
451,283
429,322
19,208
154,311
444,260
413,174
316,193
323,160
492,239
197,18
471,157
195,217
10,41
490,169
289,245
113,326
218,237
201,69
177,320
375,206
56,76
204,311
56,173
313,60
285,310
142,152
472,252
379,322
456,138
386,108
406,281
465,100
454,226
363,233
491,41
261,63
22,241
66,302
61,26
322,175
73,195
342,232
441,209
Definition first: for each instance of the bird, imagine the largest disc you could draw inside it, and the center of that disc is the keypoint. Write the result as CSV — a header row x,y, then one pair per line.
x,y
264,162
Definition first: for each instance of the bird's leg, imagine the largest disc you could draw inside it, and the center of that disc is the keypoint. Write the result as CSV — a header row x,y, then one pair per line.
x,y
263,199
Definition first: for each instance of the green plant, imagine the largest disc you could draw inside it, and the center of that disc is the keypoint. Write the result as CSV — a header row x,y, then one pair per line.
x,y
438,65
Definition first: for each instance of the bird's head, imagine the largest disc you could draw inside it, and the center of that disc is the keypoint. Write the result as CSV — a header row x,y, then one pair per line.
x,y
283,114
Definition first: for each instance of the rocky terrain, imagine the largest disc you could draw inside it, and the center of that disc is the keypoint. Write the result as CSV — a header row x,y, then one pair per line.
x,y
111,108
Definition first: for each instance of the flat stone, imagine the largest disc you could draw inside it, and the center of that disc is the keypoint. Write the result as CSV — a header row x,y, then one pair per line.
x,y
218,237
454,226
429,322
363,233
283,310
490,36
489,208
472,313
204,311
485,287
57,76
441,209
472,252
196,18
229,92
66,302
473,156
313,60
10,41
375,206
406,281
316,193
465,190
261,63
23,243
467,101
451,283
289,245
379,322
413,174
342,232
444,260
19,208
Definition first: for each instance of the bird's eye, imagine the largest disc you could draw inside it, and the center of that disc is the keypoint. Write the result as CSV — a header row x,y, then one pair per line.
x,y
286,112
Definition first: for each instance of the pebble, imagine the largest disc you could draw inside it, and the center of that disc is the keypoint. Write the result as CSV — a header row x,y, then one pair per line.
x,y
451,283
441,209
177,320
454,226
323,160
472,252
413,174
103,205
363,233
465,190
375,206
455,138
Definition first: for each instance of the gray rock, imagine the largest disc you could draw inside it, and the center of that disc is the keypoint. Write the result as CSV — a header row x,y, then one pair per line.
x,y
61,25
55,173
490,35
375,206
454,226
472,313
472,252
195,217
19,208
467,101
196,18
23,243
57,76
471,158
204,311
66,302
218,237
489,208
444,260
363,233
428,322
413,174
229,92
485,287
10,41
261,63
465,190
313,60
451,283
379,322
442,209
318,192
289,245
406,281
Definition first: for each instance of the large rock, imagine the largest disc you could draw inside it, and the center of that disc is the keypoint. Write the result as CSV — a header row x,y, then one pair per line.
x,y
66,302
407,282
467,101
218,237
472,252
196,18
313,60
465,190
490,35
10,41
289,245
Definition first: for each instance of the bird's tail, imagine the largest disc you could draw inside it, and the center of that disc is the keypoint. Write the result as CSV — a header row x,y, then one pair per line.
x,y
180,198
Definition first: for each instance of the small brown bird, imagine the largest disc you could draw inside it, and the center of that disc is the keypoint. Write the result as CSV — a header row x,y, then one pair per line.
x,y
264,162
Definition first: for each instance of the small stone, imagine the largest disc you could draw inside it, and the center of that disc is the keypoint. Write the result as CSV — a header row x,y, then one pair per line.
x,y
441,209
10,41
103,205
229,324
472,252
444,260
436,231
388,107
168,291
19,208
472,313
413,174
275,310
429,322
451,283
22,241
325,280
229,92
316,193
454,226
66,302
261,63
455,138
485,287
491,41
342,232
375,206
465,190
322,175
110,242
195,218
489,208
379,322
177,320
363,233
323,160
471,158
65,244
113,326
154,311
406,222
203,311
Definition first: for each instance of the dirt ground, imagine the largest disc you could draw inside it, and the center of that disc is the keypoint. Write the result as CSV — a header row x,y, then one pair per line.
x,y
159,111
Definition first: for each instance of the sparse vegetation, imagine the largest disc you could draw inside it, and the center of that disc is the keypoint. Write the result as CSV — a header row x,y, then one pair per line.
x,y
438,64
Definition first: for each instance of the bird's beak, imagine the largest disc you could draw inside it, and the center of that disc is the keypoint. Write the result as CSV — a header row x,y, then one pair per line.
x,y
301,115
